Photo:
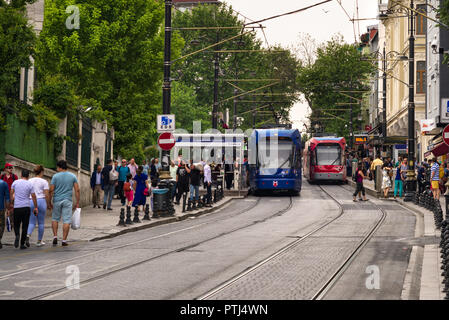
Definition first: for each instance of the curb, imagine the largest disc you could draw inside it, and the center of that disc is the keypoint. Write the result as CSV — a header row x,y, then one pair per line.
x,y
166,221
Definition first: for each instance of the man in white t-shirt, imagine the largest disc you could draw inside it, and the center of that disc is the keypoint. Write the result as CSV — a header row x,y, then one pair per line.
x,y
21,190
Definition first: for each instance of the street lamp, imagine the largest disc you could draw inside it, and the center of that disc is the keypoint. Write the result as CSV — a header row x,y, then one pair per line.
x,y
410,185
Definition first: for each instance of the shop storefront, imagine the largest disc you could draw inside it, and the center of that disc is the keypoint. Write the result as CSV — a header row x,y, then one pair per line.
x,y
438,148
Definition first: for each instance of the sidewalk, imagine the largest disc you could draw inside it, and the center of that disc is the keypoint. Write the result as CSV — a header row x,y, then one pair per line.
x,y
430,278
98,224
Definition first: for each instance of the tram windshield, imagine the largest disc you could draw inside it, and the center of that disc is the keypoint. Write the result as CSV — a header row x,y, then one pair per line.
x,y
268,159
328,155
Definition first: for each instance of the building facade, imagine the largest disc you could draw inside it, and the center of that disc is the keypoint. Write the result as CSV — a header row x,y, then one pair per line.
x,y
437,82
394,37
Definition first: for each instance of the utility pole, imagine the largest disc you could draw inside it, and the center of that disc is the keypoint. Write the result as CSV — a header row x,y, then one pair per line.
x,y
254,112
166,89
215,107
384,100
411,181
352,129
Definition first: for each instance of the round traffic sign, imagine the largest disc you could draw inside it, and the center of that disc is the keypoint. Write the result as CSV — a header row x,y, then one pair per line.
x,y
446,135
166,141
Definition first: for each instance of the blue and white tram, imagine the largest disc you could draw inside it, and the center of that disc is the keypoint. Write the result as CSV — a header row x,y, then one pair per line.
x,y
275,170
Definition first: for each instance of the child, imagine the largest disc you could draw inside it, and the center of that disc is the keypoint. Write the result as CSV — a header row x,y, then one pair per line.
x,y
127,187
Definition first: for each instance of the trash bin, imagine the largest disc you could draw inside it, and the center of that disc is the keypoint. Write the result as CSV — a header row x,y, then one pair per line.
x,y
160,199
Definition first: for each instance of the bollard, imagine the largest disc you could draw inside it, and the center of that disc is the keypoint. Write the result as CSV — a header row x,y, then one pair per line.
x,y
208,202
200,202
122,218
184,196
194,205
189,205
147,213
136,215
155,214
128,215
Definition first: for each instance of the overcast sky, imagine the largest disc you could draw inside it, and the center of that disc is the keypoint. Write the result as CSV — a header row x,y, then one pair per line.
x,y
321,23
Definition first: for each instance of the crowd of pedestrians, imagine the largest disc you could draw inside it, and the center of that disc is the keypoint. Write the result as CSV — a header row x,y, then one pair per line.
x,y
133,183
428,172
24,203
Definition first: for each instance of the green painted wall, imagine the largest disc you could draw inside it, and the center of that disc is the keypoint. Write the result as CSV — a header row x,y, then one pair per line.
x,y
25,142
2,150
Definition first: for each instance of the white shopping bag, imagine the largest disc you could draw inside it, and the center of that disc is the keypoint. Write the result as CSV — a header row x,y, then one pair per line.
x,y
76,219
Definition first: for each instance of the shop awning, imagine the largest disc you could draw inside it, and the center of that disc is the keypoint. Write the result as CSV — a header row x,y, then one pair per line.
x,y
440,149
427,154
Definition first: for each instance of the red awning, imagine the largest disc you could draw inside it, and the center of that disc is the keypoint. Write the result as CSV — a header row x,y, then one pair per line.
x,y
440,149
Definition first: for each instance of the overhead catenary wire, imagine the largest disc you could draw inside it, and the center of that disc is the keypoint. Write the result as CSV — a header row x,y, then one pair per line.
x,y
289,13
349,17
357,11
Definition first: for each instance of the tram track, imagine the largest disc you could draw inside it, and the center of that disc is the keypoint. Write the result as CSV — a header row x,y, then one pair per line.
x,y
330,281
346,263
95,252
174,251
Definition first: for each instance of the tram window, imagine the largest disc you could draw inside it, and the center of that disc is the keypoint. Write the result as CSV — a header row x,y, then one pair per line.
x,y
267,160
328,155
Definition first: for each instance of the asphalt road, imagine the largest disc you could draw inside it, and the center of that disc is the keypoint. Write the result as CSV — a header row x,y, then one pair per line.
x,y
184,260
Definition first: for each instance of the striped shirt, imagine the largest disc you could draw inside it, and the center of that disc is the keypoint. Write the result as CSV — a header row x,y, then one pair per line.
x,y
435,172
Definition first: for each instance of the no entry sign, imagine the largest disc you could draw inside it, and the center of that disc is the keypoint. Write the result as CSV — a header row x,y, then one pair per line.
x,y
446,135
166,141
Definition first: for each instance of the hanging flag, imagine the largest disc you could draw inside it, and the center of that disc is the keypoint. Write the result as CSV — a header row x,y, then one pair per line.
x,y
427,125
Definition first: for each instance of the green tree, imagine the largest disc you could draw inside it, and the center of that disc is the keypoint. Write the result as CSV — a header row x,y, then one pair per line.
x,y
113,62
335,81
17,40
186,108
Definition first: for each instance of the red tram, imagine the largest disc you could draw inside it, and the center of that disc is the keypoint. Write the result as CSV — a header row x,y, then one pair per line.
x,y
324,159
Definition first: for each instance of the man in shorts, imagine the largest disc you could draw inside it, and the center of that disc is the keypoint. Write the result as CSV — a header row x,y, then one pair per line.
x,y
435,179
61,191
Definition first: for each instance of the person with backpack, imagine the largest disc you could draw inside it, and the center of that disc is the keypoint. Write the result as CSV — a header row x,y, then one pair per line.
x,y
110,178
128,189
123,172
359,176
